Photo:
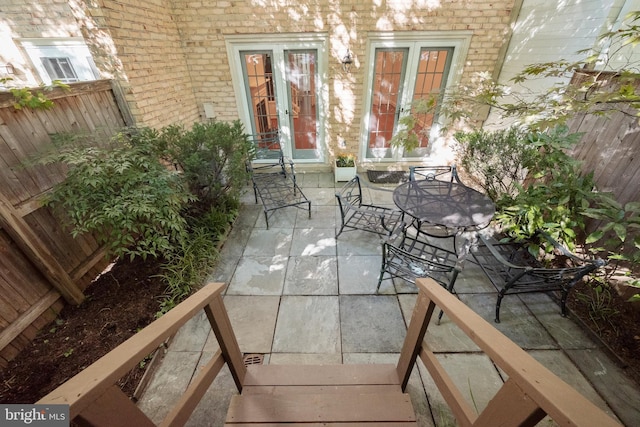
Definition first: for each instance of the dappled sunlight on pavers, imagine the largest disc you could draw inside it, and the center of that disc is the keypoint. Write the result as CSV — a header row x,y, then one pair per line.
x,y
299,296
313,242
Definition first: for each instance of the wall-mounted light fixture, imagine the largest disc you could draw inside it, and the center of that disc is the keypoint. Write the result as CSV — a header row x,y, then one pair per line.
x,y
347,61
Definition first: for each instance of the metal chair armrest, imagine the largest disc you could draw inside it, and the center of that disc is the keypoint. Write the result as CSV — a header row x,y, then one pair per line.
x,y
598,262
498,256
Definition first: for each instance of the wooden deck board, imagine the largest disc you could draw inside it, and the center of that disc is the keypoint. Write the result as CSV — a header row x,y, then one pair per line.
x,y
297,375
321,394
319,389
326,408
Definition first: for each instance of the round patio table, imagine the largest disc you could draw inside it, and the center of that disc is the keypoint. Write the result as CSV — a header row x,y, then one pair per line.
x,y
451,206
445,204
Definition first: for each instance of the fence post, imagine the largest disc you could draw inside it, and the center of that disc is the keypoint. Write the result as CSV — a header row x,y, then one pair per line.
x,y
35,250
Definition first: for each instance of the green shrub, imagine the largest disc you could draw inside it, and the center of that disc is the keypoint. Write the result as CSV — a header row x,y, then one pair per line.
x,y
617,235
535,183
120,192
188,265
170,193
212,157
498,159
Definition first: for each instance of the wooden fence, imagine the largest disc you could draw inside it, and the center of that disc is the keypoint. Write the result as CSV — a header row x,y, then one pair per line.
x,y
41,265
610,146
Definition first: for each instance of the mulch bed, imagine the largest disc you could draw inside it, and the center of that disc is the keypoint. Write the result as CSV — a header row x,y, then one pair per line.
x,y
119,303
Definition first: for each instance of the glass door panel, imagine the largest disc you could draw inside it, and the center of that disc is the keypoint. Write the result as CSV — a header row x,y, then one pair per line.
x,y
303,108
402,73
388,80
261,97
433,66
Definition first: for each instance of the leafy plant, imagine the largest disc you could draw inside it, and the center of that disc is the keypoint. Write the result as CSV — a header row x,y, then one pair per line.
x,y
188,265
532,179
211,157
556,196
135,190
345,160
617,234
169,193
32,98
599,302
497,159
121,192
422,112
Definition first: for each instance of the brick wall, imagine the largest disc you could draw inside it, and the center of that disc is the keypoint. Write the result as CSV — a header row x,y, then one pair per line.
x,y
139,43
136,43
204,24
170,56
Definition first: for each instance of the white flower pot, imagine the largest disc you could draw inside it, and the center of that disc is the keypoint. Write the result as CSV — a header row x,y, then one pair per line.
x,y
344,173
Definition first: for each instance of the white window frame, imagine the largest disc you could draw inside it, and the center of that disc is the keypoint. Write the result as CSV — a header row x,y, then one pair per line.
x,y
74,49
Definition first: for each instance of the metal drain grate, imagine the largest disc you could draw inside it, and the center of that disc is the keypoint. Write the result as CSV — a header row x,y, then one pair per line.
x,y
253,359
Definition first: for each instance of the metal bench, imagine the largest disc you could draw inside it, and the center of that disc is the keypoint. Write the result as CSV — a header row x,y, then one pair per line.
x,y
275,183
513,270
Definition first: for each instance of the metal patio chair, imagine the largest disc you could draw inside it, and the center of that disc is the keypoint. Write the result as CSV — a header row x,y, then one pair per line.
x,y
408,257
513,270
431,173
274,183
356,215
442,173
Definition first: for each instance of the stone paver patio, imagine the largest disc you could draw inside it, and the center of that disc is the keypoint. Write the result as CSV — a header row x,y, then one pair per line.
x,y
297,295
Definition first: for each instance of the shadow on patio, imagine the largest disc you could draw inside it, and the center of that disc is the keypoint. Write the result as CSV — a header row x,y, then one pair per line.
x,y
297,296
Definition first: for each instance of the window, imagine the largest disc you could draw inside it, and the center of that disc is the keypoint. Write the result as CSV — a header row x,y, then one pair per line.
x,y
60,69
405,68
280,86
67,60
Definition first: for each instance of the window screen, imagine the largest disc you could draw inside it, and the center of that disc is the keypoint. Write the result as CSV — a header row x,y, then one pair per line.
x,y
60,69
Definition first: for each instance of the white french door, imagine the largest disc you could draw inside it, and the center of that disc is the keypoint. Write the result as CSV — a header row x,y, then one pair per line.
x,y
279,92
401,72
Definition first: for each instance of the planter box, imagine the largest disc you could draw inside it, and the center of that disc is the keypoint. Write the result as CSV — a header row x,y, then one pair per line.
x,y
344,173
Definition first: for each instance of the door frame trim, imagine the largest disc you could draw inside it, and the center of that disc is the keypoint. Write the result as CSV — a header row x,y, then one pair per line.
x,y
285,41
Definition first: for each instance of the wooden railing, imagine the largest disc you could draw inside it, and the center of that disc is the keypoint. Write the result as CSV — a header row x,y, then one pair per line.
x,y
530,393
95,400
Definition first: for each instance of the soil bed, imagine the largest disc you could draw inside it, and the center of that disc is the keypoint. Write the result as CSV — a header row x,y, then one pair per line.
x,y
616,322
119,303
